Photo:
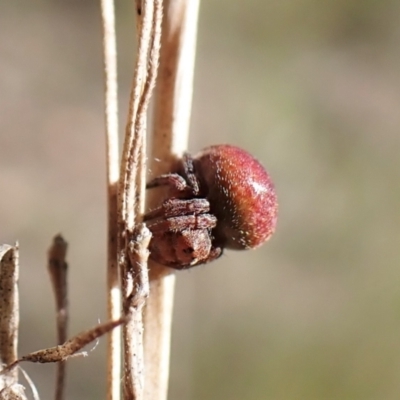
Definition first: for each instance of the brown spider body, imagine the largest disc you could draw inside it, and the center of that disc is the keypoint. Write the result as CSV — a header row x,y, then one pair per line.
x,y
221,198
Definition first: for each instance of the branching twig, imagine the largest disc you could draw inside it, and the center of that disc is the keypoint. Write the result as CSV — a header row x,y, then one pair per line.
x,y
112,156
131,196
57,268
134,137
71,348
170,137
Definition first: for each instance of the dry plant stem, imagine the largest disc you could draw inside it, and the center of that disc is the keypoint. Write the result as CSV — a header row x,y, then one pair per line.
x,y
133,252
58,269
9,311
112,163
133,142
170,136
70,348
134,358
136,155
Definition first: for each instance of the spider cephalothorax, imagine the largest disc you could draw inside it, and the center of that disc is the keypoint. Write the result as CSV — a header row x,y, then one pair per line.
x,y
221,198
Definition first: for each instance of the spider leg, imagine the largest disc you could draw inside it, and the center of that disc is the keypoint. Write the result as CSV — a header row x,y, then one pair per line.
x,y
188,222
175,181
188,169
177,207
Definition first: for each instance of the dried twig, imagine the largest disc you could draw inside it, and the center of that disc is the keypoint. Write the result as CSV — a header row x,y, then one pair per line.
x,y
130,205
134,358
170,135
9,311
57,268
71,348
131,195
112,156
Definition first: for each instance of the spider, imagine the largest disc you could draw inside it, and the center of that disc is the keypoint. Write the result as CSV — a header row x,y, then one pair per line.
x,y
220,198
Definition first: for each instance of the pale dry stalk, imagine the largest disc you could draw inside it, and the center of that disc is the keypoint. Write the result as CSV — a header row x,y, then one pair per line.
x,y
173,99
172,113
112,165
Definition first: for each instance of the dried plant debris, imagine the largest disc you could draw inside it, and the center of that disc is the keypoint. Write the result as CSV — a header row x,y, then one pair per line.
x,y
71,348
13,392
9,311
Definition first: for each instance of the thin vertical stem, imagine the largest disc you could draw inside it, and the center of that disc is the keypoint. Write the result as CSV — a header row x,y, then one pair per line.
x,y
112,162
170,136
134,237
130,165
9,311
58,268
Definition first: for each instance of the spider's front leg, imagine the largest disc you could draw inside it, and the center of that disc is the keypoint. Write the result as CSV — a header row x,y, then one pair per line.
x,y
190,173
174,181
180,224
183,182
177,207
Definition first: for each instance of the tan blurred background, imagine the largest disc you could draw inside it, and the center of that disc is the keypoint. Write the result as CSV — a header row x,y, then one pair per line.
x,y
312,88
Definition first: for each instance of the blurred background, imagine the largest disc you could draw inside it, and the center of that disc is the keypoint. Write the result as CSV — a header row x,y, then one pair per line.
x,y
312,89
